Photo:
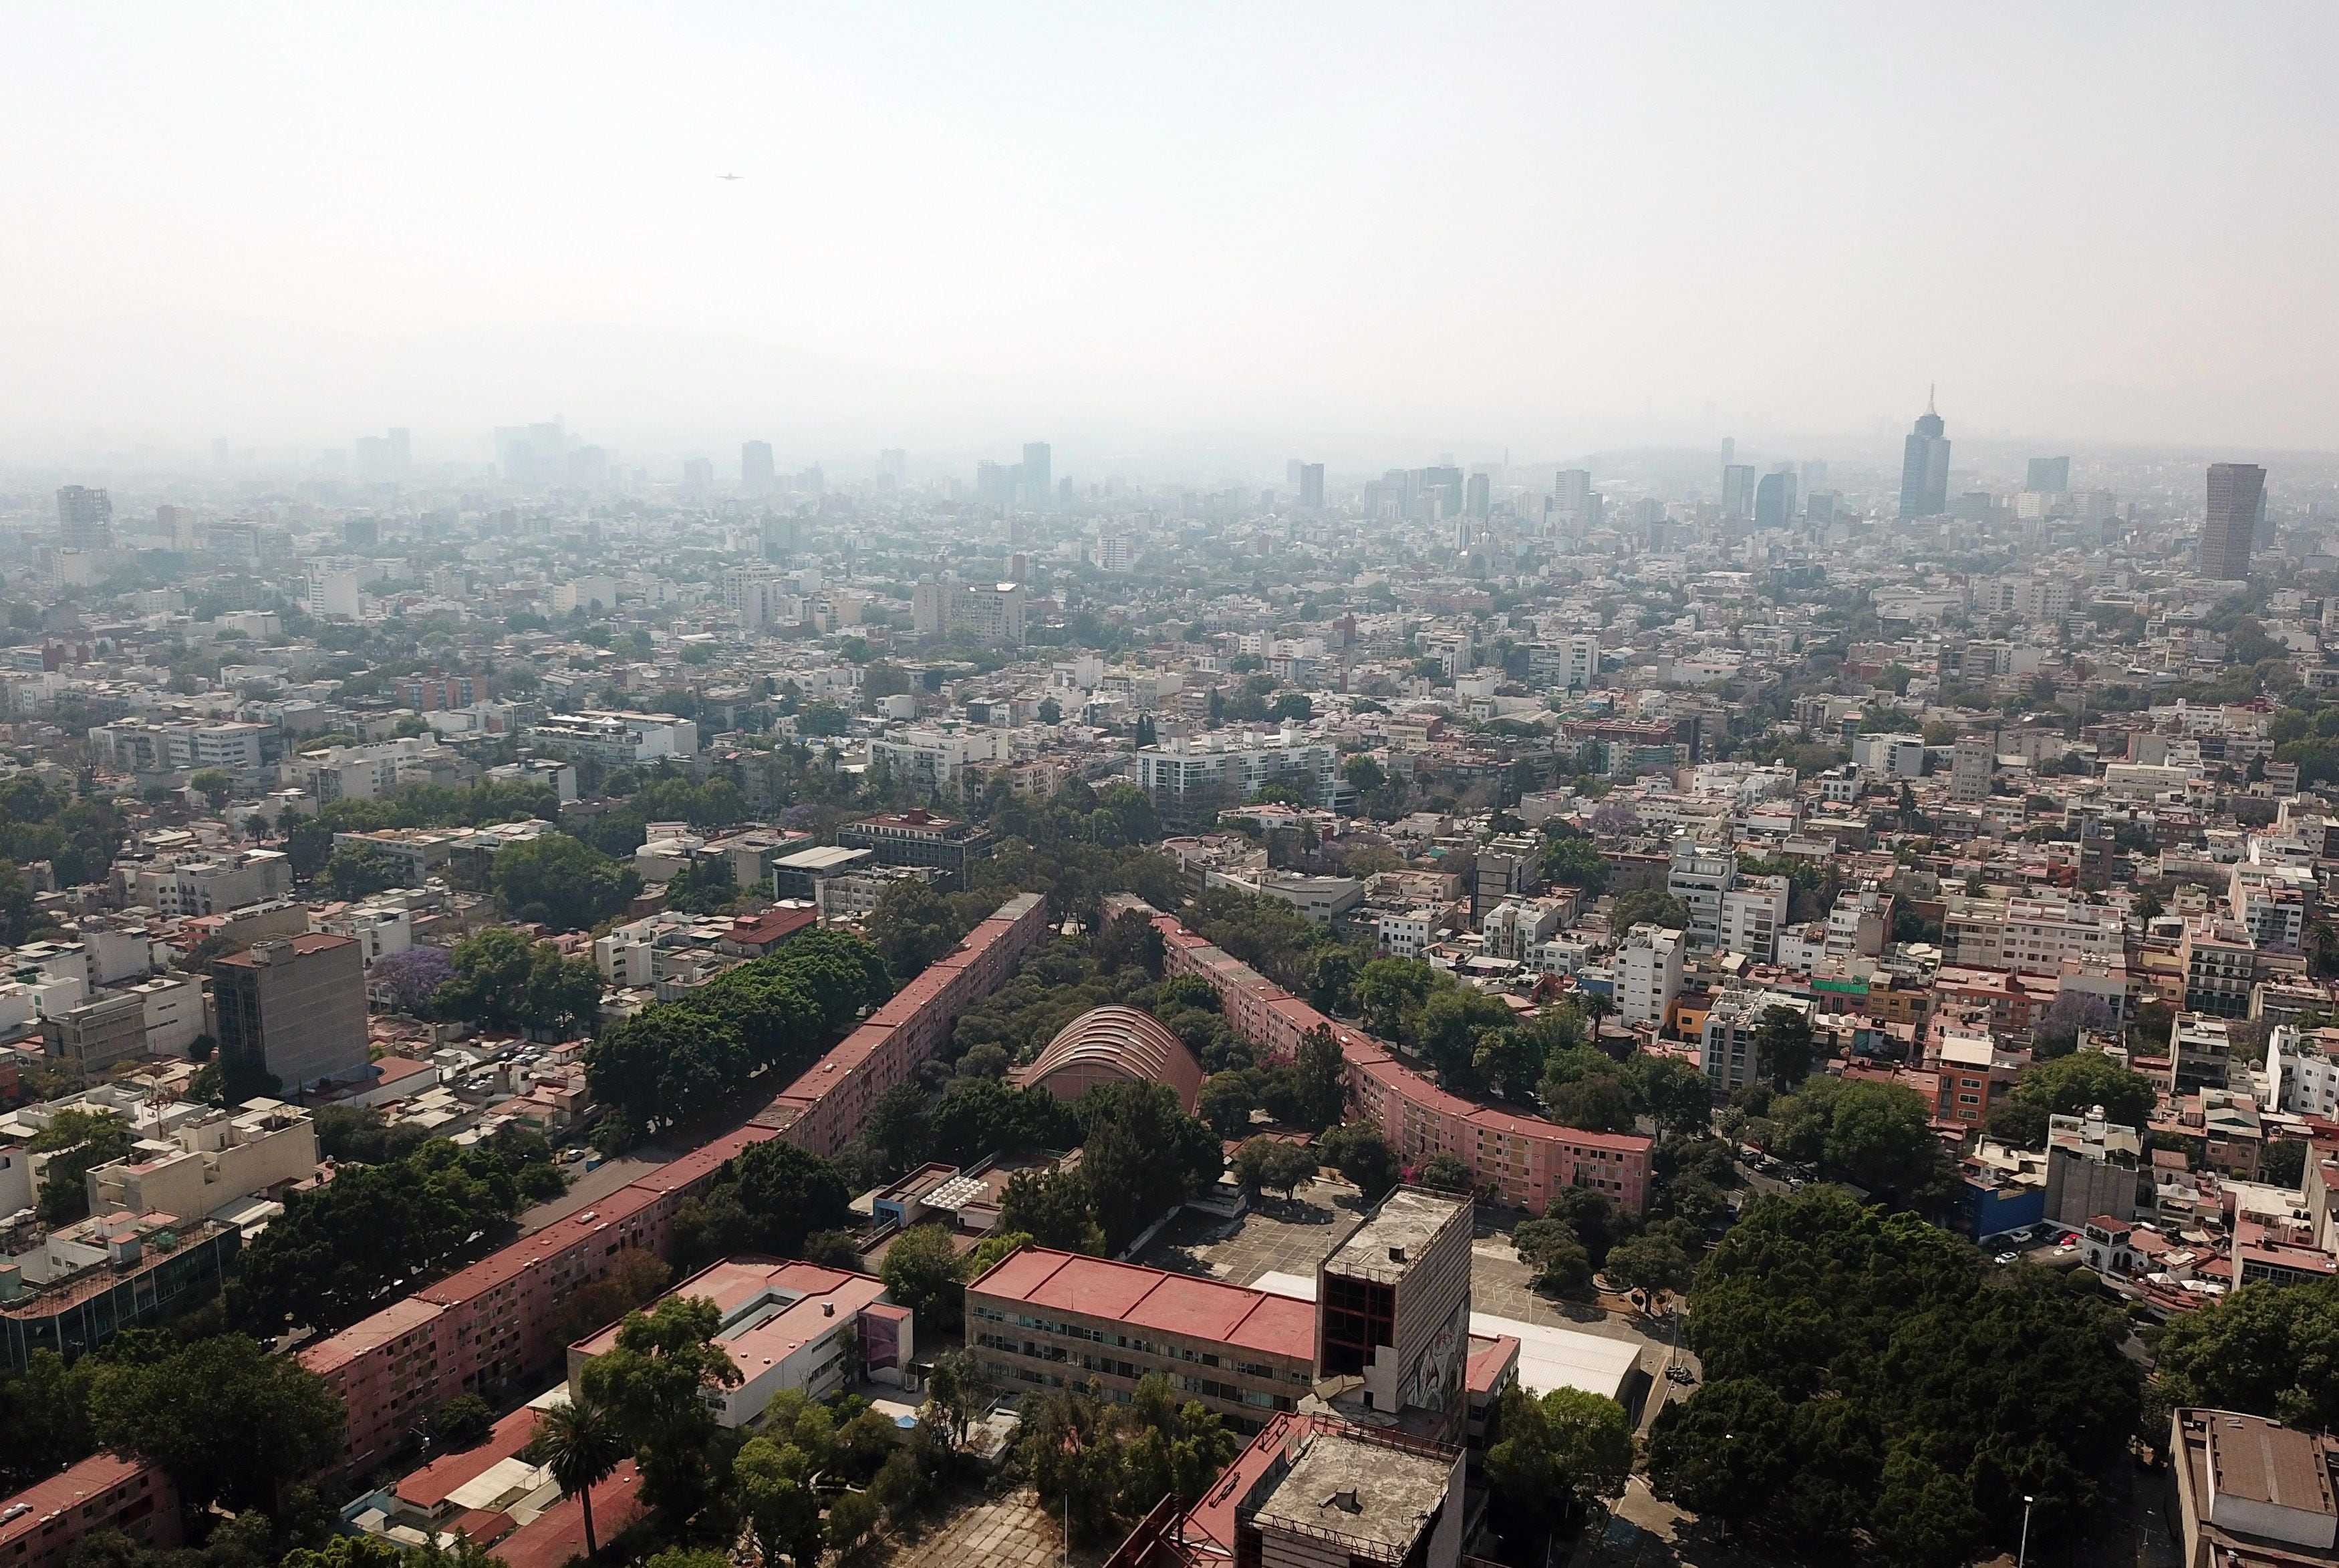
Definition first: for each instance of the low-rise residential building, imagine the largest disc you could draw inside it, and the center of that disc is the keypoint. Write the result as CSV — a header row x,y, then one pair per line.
x,y
919,837
2252,1492
1728,1047
2219,961
787,1327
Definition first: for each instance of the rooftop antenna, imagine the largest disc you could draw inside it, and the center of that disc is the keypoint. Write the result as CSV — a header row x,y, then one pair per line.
x,y
1930,387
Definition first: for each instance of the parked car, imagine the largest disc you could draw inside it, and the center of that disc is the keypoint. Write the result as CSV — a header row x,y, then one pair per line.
x,y
2005,1257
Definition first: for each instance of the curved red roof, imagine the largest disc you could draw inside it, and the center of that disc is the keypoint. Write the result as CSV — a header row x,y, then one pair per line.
x,y
1112,1042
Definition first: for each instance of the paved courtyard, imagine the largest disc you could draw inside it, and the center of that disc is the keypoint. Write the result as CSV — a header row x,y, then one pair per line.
x,y
1010,1532
1291,1237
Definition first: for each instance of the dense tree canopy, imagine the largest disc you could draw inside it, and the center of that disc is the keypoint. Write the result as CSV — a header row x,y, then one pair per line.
x,y
500,980
557,882
772,1016
2267,1349
1869,1379
340,1249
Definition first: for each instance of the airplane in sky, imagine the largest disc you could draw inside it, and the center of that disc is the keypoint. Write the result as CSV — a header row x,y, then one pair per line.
x,y
730,176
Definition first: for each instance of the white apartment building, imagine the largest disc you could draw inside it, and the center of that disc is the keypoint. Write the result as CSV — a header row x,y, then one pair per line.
x,y
992,611
134,745
761,597
1227,767
1752,915
935,759
1648,969
335,594
583,594
1699,878
2303,1071
1516,928
1730,1055
616,739
1566,663
1972,763
216,1161
2030,935
1404,935
1861,923
1889,756
377,769
213,884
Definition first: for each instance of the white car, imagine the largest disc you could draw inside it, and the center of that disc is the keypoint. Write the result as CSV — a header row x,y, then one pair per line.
x,y
2005,1257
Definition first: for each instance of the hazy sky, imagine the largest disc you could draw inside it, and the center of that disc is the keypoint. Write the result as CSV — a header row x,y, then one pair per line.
x,y
1539,226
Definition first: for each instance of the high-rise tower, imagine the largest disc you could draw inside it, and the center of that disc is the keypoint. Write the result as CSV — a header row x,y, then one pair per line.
x,y
2236,492
84,518
1925,467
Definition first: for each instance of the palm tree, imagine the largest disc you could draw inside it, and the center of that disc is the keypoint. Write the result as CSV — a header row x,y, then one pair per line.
x,y
578,1443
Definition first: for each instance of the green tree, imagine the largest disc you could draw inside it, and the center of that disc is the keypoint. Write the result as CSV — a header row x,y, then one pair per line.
x,y
704,886
1227,1099
1784,1040
958,1390
579,1442
2070,1085
658,1383
1391,991
1679,1095
1445,1172
771,1197
1648,906
1562,1264
772,1481
1141,1156
925,1274
1650,1261
360,870
912,926
1051,1206
2266,1349
1358,1150
557,882
234,1424
212,785
852,1524
1557,1459
464,1422
76,1141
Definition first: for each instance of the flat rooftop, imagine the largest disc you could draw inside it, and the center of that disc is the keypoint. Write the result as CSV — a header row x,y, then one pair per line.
x,y
769,1310
1356,1492
1399,1231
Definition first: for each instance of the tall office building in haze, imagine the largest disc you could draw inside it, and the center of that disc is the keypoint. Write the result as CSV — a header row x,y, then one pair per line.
x,y
758,475
2237,494
1036,479
1925,467
84,518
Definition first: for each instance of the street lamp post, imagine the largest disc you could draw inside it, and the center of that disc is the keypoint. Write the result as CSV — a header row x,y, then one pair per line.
x,y
2023,1551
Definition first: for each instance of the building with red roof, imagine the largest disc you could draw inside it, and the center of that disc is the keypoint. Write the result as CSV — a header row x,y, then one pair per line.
x,y
1524,1158
1040,1319
496,1321
40,1525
